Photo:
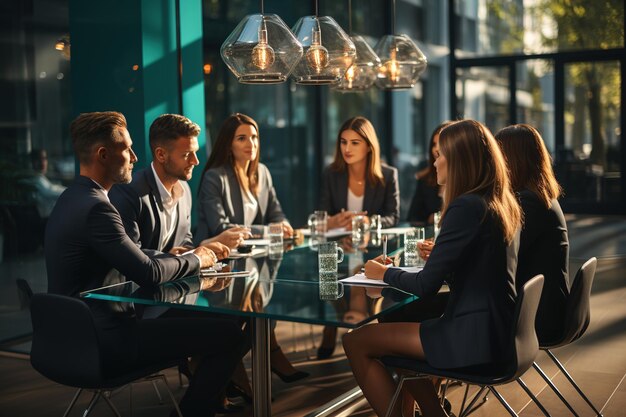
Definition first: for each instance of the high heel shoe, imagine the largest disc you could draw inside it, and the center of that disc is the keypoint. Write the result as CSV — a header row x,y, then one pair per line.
x,y
233,390
296,376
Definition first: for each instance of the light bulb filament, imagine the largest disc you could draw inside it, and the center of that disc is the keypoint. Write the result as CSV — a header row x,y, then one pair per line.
x,y
317,55
262,53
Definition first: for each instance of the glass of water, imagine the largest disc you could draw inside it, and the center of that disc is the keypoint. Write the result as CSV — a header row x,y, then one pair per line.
x,y
412,238
329,255
359,227
275,234
318,223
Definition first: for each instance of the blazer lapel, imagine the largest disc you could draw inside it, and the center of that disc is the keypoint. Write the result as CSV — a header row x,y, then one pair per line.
x,y
262,193
369,197
342,190
156,207
236,199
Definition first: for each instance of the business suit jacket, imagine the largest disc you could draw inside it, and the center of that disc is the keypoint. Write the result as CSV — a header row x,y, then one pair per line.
x,y
426,201
383,200
220,202
139,204
86,246
479,267
544,249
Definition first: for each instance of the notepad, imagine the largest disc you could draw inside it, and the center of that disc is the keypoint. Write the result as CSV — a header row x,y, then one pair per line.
x,y
361,279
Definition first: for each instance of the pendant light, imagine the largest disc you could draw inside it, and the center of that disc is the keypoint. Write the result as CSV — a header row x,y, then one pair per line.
x,y
363,71
328,50
261,49
402,60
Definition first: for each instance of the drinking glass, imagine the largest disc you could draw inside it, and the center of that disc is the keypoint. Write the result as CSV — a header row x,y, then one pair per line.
x,y
412,238
318,223
331,290
359,227
437,218
375,223
329,255
275,234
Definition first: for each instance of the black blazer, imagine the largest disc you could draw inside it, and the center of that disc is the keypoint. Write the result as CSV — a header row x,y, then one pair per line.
x,y
220,203
383,200
139,204
479,267
544,249
425,202
86,247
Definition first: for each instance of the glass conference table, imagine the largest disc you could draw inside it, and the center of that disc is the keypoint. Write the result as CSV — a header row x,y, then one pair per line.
x,y
284,289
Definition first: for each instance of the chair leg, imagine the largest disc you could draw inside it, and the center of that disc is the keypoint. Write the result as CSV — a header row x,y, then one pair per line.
x,y
169,391
571,380
111,406
532,397
464,399
158,393
92,403
394,399
470,407
503,401
71,405
554,388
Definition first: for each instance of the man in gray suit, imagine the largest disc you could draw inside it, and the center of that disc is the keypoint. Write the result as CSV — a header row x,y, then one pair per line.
x,y
86,247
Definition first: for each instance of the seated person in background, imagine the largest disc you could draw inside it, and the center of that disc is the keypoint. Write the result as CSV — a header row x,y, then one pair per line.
x,y
236,189
46,192
356,182
476,253
427,198
544,246
86,247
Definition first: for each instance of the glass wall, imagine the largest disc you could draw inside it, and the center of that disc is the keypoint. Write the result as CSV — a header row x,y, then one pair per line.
x,y
35,151
557,65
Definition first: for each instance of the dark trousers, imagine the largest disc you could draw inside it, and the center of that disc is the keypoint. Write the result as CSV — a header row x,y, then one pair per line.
x,y
132,343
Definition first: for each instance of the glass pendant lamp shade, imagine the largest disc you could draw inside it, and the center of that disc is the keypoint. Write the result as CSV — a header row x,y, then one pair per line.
x,y
402,62
261,50
363,71
328,51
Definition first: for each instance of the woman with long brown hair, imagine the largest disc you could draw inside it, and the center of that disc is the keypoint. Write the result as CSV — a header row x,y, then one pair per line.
x,y
356,181
476,254
544,245
236,189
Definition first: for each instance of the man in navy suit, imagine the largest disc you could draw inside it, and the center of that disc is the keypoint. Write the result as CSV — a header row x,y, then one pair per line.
x,y
156,206
86,247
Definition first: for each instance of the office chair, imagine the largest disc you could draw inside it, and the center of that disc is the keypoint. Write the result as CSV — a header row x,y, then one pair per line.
x,y
66,350
24,293
524,347
577,317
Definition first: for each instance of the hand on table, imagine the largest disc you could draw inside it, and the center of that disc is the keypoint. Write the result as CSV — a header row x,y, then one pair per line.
x,y
374,268
232,237
207,256
344,219
221,250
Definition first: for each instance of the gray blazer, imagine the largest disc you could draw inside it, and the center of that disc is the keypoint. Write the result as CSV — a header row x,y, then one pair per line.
x,y
220,203
139,204
383,200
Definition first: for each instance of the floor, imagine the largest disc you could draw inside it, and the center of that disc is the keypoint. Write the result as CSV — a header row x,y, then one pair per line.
x,y
597,361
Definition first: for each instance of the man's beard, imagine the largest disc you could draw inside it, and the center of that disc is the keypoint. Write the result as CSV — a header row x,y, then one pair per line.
x,y
123,176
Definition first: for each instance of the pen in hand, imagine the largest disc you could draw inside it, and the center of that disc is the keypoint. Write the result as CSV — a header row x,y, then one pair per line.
x,y
384,249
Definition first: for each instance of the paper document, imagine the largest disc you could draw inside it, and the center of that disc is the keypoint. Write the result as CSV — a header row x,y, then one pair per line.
x,y
413,269
339,231
361,279
234,254
395,230
257,242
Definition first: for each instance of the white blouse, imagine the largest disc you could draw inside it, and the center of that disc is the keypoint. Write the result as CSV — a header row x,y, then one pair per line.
x,y
250,207
355,203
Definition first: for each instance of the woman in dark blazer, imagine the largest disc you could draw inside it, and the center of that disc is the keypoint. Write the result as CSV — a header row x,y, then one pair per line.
x,y
356,181
544,246
476,254
427,198
236,189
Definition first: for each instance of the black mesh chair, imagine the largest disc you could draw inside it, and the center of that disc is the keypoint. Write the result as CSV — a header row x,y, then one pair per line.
x,y
577,317
24,293
524,347
66,350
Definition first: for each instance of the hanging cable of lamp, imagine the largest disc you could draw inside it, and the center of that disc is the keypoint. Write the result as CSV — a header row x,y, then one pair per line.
x,y
328,50
402,61
261,49
362,73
